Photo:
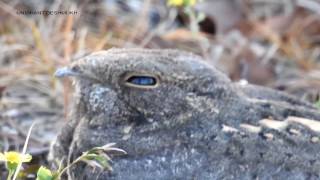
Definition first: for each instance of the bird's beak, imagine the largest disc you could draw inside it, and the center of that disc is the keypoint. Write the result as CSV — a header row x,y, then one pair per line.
x,y
65,72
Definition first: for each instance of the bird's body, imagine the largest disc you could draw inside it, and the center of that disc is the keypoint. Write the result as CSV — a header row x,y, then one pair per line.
x,y
180,118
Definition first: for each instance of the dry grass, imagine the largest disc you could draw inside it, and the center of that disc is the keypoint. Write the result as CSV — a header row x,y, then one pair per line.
x,y
32,47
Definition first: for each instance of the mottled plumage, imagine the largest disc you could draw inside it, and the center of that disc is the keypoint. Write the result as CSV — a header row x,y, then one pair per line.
x,y
179,118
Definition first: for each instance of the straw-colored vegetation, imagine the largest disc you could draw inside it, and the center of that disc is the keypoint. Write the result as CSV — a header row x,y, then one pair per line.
x,y
270,43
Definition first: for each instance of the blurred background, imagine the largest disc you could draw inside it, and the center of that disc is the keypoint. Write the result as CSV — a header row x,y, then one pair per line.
x,y
274,43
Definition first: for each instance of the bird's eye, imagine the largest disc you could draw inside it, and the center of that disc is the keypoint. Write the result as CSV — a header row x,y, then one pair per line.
x,y
142,81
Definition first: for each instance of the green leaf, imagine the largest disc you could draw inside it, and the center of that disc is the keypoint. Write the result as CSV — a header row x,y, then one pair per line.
x,y
44,174
102,161
12,166
97,160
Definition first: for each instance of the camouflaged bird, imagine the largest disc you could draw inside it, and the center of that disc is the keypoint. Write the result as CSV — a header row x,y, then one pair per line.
x,y
178,117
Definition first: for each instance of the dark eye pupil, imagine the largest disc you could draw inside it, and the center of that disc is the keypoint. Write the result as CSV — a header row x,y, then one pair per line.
x,y
142,80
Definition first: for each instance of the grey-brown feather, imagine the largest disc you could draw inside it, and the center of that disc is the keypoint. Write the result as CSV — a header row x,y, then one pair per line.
x,y
177,128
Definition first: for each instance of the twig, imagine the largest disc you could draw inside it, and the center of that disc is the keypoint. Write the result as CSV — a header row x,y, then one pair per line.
x,y
138,29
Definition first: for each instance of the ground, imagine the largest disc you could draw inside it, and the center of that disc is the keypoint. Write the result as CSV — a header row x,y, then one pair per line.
x,y
274,44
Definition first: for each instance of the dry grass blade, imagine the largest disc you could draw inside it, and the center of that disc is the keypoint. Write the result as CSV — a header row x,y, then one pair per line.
x,y
24,150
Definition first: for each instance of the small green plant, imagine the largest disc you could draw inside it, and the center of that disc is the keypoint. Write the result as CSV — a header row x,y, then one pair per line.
x,y
95,157
12,160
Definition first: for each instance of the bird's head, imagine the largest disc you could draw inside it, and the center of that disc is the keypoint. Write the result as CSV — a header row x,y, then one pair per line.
x,y
150,83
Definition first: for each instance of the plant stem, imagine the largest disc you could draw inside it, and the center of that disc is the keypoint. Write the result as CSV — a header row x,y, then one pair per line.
x,y
10,175
67,167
